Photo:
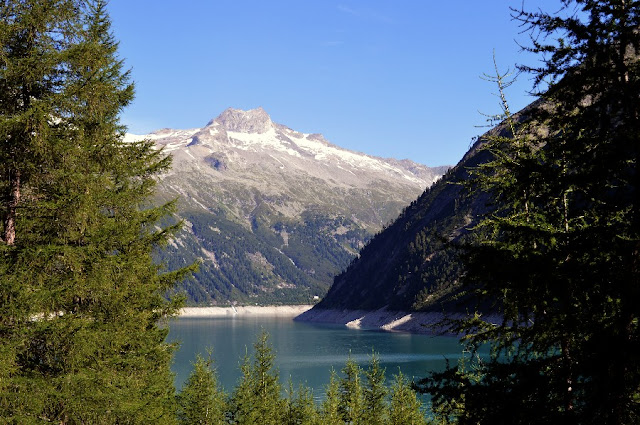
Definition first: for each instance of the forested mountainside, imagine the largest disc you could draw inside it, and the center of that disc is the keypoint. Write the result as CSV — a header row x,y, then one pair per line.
x,y
273,214
412,264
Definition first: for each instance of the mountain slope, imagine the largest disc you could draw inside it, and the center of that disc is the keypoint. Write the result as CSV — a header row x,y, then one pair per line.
x,y
410,266
273,214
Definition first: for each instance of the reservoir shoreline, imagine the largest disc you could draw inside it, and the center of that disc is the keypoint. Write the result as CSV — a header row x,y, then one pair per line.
x,y
382,319
432,323
272,311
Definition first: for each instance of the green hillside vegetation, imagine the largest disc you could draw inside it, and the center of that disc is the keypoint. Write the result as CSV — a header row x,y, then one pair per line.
x,y
412,263
244,264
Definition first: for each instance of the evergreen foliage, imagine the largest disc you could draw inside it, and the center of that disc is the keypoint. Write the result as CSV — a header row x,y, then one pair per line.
x,y
201,401
257,397
248,269
375,394
302,409
404,408
560,257
81,297
330,409
351,405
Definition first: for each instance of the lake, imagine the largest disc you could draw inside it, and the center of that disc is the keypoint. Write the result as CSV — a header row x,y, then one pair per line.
x,y
306,352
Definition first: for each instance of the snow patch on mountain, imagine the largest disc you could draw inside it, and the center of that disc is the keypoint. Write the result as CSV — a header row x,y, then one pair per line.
x,y
247,149
170,139
261,141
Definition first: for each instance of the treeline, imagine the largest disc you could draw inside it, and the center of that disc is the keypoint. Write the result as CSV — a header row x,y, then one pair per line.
x,y
356,396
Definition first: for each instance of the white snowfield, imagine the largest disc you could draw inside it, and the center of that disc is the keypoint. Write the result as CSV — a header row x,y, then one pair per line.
x,y
162,134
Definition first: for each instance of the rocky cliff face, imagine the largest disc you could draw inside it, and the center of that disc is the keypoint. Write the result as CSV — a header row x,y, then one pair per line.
x,y
272,213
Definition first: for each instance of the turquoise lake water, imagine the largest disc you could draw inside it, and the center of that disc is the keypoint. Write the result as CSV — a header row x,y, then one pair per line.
x,y
306,352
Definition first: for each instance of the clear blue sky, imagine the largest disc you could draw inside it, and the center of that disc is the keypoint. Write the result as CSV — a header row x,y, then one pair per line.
x,y
393,78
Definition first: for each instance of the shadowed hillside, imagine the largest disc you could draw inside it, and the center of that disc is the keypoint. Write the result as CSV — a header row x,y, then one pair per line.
x,y
411,265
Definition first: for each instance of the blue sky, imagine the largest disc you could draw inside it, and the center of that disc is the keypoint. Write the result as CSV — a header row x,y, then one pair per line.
x,y
389,78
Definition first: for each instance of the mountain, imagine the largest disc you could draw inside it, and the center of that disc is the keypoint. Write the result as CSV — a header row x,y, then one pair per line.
x,y
274,214
411,265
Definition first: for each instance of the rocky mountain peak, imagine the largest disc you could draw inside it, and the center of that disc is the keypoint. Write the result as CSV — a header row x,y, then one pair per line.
x,y
252,121
274,213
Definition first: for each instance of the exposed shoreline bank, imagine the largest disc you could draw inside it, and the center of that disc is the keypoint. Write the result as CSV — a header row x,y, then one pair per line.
x,y
277,311
382,319
392,321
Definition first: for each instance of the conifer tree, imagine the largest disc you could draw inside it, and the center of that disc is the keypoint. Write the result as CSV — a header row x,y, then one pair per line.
x,y
302,409
256,398
351,396
243,401
81,296
375,394
330,410
201,401
562,253
405,407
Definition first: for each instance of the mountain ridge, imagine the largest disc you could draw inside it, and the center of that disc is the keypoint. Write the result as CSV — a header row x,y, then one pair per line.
x,y
272,213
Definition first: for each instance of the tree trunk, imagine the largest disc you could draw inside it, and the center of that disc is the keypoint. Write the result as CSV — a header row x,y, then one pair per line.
x,y
566,356
9,233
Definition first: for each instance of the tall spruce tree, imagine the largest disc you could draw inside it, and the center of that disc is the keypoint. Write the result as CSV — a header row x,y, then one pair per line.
x,y
330,409
256,398
561,256
351,398
201,401
301,407
81,296
375,394
405,406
